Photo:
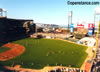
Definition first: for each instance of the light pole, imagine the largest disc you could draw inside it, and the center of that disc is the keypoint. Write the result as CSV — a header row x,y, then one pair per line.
x,y
68,22
69,18
97,12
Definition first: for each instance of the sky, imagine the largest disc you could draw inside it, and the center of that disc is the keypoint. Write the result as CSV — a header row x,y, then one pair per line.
x,y
49,11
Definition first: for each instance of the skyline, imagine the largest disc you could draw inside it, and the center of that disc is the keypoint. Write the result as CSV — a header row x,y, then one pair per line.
x,y
49,11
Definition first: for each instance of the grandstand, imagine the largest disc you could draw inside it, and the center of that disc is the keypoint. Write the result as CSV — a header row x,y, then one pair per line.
x,y
14,29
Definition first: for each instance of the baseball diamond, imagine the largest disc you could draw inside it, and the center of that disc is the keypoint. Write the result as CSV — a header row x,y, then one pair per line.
x,y
39,53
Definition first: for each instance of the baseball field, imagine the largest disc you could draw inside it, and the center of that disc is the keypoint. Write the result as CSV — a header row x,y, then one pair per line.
x,y
47,52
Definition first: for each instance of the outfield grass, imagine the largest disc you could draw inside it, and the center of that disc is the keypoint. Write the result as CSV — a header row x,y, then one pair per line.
x,y
42,52
3,49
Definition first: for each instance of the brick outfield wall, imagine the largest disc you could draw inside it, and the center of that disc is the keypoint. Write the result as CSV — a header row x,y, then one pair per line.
x,y
14,29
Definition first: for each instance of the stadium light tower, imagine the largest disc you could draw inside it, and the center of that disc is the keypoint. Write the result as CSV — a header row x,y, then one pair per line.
x,y
3,12
97,12
69,18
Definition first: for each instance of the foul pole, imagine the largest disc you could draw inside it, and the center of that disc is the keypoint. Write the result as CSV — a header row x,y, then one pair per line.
x,y
97,37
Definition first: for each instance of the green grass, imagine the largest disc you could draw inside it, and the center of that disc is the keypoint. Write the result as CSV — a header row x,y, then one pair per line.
x,y
42,52
3,49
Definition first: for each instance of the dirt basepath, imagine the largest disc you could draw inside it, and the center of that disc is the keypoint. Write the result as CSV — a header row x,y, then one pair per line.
x,y
15,50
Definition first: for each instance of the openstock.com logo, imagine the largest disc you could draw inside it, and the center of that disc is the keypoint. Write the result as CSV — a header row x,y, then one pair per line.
x,y
83,2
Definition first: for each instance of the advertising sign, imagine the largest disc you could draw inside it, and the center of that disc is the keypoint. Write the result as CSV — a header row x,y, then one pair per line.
x,y
71,28
80,26
90,29
90,26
